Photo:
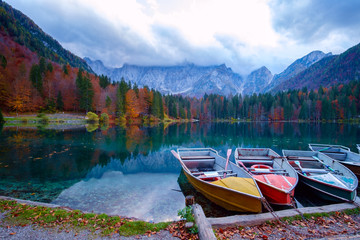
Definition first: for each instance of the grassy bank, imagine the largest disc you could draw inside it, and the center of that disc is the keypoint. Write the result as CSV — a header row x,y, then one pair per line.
x,y
102,224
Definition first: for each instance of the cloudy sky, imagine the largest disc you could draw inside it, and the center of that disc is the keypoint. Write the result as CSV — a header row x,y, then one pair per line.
x,y
243,34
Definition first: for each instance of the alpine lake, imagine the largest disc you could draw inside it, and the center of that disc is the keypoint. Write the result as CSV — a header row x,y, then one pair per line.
x,y
130,171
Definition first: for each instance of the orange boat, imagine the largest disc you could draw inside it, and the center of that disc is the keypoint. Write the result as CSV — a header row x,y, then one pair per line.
x,y
273,174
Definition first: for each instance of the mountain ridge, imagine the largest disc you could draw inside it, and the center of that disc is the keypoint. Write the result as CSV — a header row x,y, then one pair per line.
x,y
295,68
328,71
192,80
186,79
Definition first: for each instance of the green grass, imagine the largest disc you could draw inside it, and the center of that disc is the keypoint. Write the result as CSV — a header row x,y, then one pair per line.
x,y
22,214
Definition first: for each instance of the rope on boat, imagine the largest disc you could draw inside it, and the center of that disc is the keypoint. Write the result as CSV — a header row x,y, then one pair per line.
x,y
270,209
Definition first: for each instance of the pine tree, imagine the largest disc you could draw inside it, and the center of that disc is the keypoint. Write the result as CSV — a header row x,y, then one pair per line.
x,y
1,117
107,101
120,98
59,101
65,69
85,91
36,78
42,66
104,81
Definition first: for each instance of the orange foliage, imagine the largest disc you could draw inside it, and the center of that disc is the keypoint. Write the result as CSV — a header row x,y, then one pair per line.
x,y
132,104
144,100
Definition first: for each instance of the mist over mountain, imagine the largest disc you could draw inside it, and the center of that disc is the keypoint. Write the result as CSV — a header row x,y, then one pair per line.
x,y
193,80
187,79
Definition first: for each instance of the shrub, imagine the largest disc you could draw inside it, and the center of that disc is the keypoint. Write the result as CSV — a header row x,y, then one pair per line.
x,y
186,214
41,115
104,118
92,117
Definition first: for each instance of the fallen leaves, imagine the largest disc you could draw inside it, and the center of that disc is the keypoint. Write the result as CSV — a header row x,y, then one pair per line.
x,y
178,229
314,227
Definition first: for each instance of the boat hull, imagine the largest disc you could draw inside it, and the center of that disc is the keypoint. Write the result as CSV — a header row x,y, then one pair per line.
x,y
274,195
328,192
226,198
354,168
276,189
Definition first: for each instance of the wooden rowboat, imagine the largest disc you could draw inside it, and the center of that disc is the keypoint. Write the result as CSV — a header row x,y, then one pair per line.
x,y
273,174
220,181
327,177
340,153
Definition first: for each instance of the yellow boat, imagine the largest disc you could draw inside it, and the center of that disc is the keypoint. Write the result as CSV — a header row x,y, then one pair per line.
x,y
219,180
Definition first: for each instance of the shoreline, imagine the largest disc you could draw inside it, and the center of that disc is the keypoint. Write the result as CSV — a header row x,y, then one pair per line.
x,y
336,220
79,119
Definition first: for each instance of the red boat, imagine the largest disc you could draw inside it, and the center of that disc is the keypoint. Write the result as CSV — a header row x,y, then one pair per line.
x,y
273,174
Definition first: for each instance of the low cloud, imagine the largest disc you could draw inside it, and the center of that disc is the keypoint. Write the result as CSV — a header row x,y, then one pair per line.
x,y
313,21
159,33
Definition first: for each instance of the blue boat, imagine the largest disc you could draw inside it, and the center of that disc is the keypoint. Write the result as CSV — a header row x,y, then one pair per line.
x,y
327,177
340,153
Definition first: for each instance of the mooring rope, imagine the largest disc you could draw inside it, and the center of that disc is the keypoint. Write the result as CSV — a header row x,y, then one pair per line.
x,y
270,209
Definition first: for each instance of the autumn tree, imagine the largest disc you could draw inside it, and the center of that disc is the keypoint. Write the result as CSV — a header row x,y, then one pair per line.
x,y
132,104
20,99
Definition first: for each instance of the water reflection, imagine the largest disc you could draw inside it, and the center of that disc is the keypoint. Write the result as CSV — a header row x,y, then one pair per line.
x,y
48,164
147,196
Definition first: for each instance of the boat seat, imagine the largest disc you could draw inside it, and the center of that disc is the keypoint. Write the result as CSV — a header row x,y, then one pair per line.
x,y
337,155
252,162
209,176
338,152
313,170
196,157
231,174
207,163
254,158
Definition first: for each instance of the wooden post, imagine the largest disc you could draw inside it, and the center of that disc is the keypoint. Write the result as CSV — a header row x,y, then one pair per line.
x,y
205,230
189,200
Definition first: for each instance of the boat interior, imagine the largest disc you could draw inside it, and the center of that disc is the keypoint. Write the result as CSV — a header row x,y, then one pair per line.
x,y
207,165
262,161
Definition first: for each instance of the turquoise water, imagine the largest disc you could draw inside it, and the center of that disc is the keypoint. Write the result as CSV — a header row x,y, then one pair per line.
x,y
130,171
